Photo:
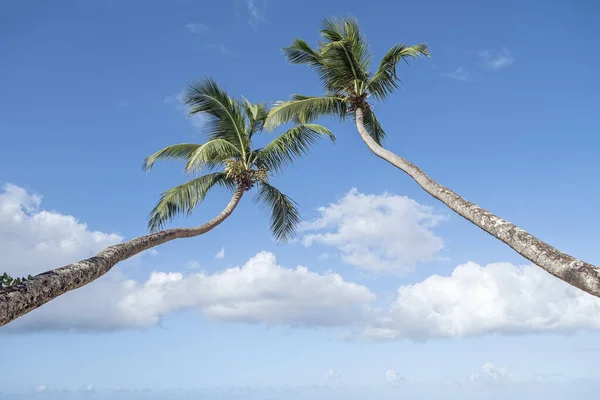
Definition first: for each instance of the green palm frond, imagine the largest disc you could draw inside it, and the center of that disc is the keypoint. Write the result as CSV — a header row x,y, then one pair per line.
x,y
291,145
351,45
385,80
373,127
225,115
284,213
181,151
301,53
211,154
256,114
183,198
305,109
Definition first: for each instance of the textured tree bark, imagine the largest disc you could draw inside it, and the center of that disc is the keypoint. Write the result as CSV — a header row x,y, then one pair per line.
x,y
575,272
18,300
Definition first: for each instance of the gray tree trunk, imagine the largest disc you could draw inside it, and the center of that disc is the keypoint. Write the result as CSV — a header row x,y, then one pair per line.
x,y
570,269
18,300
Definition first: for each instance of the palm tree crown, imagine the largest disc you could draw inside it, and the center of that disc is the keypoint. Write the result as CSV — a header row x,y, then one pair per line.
x,y
229,160
343,61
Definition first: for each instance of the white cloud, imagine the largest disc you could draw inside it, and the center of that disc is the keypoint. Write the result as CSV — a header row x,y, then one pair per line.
x,y
258,292
473,300
332,374
392,377
33,240
196,28
89,388
496,59
384,233
477,300
459,74
256,11
41,388
490,373
220,254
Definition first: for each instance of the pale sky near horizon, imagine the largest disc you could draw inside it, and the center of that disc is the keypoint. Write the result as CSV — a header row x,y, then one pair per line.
x,y
385,293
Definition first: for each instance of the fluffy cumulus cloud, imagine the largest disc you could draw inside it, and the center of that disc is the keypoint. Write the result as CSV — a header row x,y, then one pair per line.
x,y
384,233
491,373
476,300
260,291
33,240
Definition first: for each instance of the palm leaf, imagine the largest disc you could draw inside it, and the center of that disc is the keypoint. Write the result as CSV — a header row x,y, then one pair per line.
x,y
181,151
184,198
301,53
305,109
373,127
284,213
256,114
385,80
225,115
211,154
291,145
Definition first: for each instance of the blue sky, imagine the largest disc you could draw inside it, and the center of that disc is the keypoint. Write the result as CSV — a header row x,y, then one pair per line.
x,y
504,113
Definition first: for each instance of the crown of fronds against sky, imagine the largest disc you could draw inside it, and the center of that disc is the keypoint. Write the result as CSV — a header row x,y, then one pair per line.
x,y
380,291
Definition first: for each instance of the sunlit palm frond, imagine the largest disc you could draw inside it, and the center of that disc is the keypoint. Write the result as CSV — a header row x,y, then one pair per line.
x,y
373,127
385,80
225,115
184,198
284,213
181,151
212,154
347,31
291,145
305,109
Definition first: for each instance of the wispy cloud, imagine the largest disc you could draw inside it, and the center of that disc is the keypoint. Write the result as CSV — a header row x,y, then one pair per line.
x,y
392,377
459,74
255,10
197,120
332,375
196,28
220,254
221,48
496,60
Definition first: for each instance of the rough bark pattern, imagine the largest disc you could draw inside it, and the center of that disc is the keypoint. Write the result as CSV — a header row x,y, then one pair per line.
x,y
18,300
578,273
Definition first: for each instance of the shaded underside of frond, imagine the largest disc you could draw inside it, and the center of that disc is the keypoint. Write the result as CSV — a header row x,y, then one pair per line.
x,y
284,213
184,198
373,127
385,80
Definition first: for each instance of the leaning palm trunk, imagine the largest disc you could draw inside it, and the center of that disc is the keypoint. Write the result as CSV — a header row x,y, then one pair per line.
x,y
570,269
18,300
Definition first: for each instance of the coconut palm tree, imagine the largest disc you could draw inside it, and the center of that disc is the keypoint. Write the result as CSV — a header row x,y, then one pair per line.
x,y
237,166
342,62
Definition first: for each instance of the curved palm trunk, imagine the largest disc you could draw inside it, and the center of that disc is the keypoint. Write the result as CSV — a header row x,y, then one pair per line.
x,y
18,300
570,269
